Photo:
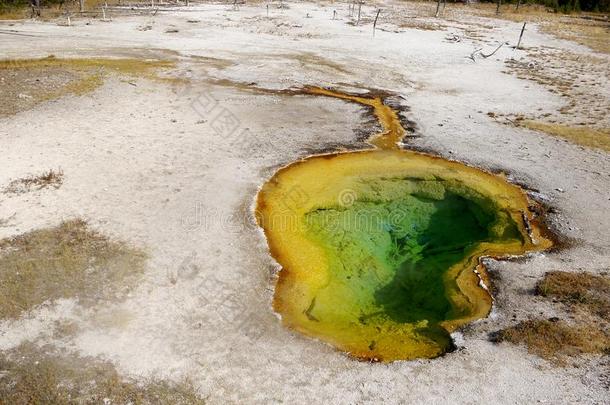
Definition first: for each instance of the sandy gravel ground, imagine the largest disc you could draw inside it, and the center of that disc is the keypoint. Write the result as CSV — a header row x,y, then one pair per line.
x,y
153,164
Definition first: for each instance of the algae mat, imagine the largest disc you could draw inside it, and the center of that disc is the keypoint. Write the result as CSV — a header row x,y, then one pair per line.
x,y
380,249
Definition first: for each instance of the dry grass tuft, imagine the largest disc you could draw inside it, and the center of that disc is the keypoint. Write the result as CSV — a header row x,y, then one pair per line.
x,y
556,340
588,292
66,261
583,136
51,178
32,375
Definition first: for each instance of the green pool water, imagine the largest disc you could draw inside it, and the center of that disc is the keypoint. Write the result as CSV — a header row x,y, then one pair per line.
x,y
389,251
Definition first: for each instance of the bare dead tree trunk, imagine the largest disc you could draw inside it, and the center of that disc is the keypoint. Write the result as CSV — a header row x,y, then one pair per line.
x,y
35,4
440,11
81,4
359,7
375,22
498,7
521,35
518,5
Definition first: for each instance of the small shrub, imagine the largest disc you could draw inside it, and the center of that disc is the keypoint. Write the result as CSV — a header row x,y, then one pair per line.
x,y
51,178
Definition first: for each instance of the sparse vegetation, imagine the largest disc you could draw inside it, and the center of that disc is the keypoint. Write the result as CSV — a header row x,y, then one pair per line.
x,y
34,375
546,6
588,292
587,297
17,9
554,340
50,178
66,261
583,117
579,135
140,67
27,82
591,33
13,12
589,29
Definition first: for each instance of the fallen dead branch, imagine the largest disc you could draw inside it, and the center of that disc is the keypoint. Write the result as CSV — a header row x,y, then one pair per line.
x,y
453,38
496,50
485,56
473,54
